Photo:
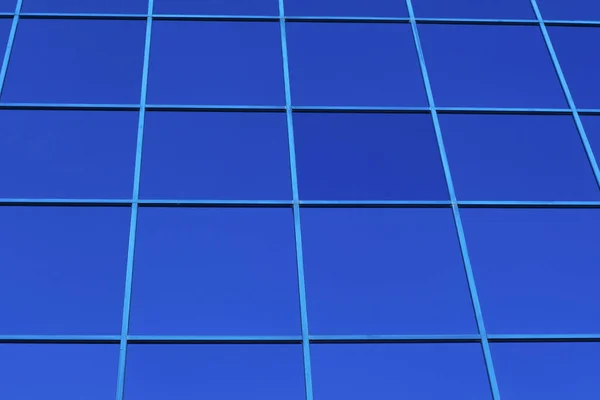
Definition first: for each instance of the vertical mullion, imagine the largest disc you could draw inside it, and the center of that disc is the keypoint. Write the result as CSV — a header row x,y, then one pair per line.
x,y
455,209
10,44
134,209
567,93
296,207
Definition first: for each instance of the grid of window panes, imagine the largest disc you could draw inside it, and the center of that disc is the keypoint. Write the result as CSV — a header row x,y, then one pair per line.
x,y
299,199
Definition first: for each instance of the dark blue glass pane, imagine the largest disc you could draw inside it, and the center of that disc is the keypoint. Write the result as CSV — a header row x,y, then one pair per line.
x,y
579,64
399,371
217,7
8,6
240,63
368,157
569,10
216,156
591,125
216,372
71,61
215,271
58,371
354,65
536,269
373,271
5,25
505,9
552,371
353,8
517,157
490,66
64,154
63,269
81,6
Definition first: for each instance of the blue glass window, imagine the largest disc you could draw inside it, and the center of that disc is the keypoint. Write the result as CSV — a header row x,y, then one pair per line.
x,y
536,269
218,372
58,371
80,6
243,67
347,8
215,271
63,154
8,6
552,371
352,64
75,62
579,64
505,9
397,371
63,269
5,25
490,66
216,156
217,7
569,10
591,125
372,271
368,157
517,157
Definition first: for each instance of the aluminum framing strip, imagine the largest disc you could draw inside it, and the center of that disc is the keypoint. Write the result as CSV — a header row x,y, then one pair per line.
x,y
9,45
567,93
297,339
299,18
487,355
120,393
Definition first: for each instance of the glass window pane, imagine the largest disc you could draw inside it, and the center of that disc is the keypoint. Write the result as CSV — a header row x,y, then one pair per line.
x,y
217,7
579,64
79,6
63,154
72,61
368,157
63,269
505,9
552,371
591,124
490,66
536,269
372,271
242,67
8,6
399,371
216,156
569,10
58,371
341,64
517,157
216,372
211,271
349,8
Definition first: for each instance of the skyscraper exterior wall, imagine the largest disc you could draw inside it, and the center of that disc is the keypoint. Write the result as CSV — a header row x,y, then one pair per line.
x,y
299,199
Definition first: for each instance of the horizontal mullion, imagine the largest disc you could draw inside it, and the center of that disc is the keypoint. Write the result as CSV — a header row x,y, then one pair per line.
x,y
67,339
543,338
220,339
357,339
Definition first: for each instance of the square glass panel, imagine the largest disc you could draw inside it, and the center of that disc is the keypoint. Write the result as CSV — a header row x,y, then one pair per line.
x,y
373,271
215,271
216,156
517,157
490,66
8,6
491,9
63,269
216,372
354,64
368,157
579,63
399,371
217,7
58,371
552,371
236,63
536,269
5,26
86,6
67,154
591,124
346,8
73,61
569,10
